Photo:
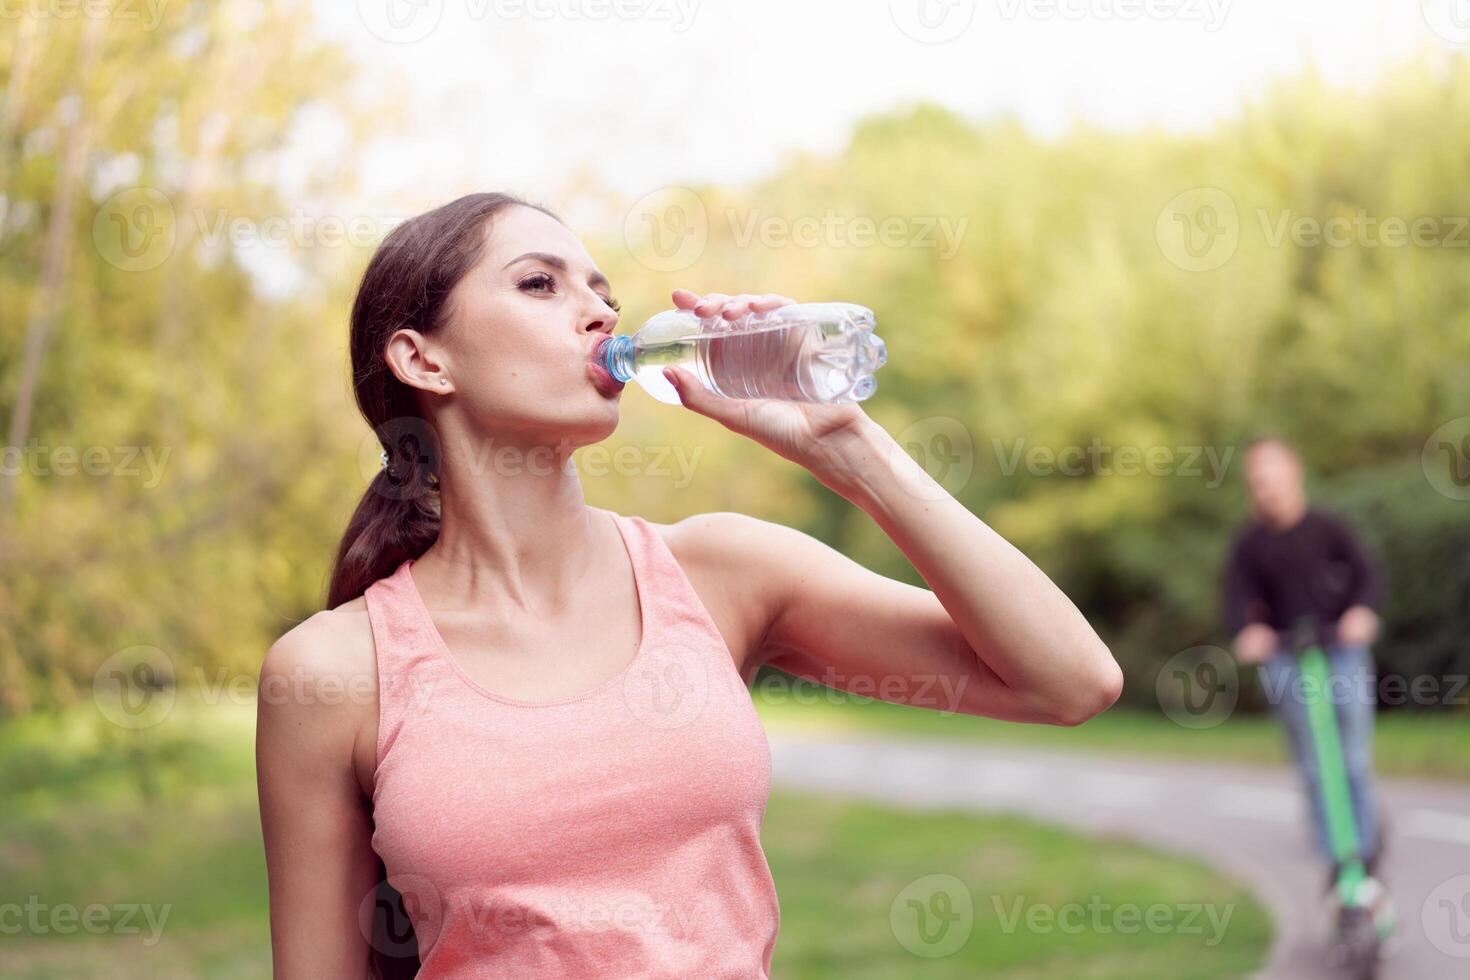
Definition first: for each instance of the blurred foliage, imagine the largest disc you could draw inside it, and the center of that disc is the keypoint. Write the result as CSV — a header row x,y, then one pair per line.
x,y
1049,315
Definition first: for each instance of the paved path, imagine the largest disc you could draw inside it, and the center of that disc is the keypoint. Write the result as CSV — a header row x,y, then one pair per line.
x,y
1248,821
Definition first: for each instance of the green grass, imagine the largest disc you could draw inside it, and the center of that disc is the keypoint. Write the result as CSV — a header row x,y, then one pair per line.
x,y
1418,745
846,873
80,827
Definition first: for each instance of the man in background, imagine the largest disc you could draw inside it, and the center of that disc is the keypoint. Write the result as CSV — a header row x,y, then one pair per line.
x,y
1291,561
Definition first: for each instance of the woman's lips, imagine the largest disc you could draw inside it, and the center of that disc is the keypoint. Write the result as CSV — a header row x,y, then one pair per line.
x,y
606,384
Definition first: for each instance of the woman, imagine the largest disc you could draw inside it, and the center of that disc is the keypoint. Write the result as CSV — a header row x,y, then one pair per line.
x,y
532,715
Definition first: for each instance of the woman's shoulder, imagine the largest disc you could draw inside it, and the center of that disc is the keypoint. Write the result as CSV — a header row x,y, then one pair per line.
x,y
725,538
324,663
326,641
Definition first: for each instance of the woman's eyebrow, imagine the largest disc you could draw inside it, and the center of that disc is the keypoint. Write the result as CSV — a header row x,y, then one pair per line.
x,y
557,262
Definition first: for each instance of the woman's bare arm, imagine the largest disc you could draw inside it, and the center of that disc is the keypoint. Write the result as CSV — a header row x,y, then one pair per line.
x,y
993,620
786,599
316,821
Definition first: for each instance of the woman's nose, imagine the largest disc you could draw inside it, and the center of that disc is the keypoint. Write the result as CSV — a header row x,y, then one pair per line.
x,y
602,321
600,325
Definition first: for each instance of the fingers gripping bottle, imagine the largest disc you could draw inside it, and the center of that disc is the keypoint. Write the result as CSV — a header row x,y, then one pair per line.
x,y
802,352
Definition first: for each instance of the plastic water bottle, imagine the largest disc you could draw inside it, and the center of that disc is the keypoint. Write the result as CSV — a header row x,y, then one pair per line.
x,y
802,352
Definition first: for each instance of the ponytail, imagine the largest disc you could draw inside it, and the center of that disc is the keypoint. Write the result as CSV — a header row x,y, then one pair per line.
x,y
388,528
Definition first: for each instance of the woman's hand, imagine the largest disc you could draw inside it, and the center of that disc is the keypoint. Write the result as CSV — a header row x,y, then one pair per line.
x,y
805,433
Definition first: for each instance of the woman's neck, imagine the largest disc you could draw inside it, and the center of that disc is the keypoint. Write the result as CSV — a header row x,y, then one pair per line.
x,y
515,531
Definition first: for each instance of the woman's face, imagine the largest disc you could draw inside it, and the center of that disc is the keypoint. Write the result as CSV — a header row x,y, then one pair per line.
x,y
523,322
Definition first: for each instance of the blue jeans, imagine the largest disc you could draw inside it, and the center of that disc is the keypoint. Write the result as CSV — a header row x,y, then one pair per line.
x,y
1352,690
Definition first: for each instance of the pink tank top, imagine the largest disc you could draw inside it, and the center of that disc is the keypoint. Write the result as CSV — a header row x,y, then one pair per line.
x,y
614,833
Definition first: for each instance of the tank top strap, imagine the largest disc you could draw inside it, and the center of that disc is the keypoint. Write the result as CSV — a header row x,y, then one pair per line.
x,y
409,667
675,610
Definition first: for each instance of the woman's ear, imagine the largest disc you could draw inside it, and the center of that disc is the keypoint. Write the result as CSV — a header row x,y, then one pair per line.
x,y
414,361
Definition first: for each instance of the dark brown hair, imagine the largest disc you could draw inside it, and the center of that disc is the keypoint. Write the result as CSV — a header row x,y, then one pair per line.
x,y
407,284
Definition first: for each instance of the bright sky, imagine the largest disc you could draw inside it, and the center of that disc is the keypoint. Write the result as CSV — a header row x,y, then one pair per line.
x,y
522,95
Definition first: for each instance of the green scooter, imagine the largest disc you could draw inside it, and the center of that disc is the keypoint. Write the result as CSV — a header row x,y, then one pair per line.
x,y
1364,919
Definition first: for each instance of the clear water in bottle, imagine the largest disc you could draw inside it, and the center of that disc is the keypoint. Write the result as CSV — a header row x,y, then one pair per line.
x,y
804,352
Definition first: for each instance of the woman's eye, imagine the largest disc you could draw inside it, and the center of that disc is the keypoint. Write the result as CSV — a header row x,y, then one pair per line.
x,y
539,282
616,306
